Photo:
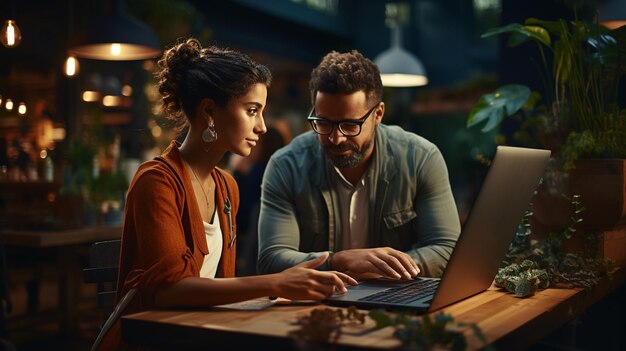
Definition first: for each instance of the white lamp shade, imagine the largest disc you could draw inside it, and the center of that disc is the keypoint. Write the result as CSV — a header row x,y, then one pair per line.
x,y
398,68
613,14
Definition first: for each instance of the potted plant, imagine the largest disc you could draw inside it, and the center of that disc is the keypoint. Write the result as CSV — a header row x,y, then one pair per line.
x,y
107,194
579,119
76,174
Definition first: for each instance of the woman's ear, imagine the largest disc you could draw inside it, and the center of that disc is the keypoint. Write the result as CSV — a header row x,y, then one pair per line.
x,y
207,105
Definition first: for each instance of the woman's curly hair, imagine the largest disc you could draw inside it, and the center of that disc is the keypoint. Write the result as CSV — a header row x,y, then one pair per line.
x,y
188,73
346,73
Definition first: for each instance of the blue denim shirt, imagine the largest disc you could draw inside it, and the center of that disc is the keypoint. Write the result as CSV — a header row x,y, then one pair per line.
x,y
410,203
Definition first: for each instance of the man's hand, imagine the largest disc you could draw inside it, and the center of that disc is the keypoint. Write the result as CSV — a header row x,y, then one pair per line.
x,y
377,262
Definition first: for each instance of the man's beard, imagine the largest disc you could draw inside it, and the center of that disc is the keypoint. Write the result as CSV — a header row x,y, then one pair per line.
x,y
349,160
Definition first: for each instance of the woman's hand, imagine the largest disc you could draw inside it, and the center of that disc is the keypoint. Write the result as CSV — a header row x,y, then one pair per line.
x,y
304,282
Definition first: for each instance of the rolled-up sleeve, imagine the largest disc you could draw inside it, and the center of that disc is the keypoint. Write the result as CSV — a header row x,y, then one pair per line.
x,y
437,225
154,248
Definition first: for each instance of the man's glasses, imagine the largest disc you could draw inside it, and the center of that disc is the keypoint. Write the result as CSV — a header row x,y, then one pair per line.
x,y
347,127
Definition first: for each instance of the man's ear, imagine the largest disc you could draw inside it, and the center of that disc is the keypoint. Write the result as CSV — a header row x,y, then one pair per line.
x,y
380,113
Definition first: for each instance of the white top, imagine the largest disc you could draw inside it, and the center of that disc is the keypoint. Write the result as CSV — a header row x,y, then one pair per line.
x,y
214,242
354,209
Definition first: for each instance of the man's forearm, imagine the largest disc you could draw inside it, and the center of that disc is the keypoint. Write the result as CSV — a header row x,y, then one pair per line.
x,y
433,259
278,259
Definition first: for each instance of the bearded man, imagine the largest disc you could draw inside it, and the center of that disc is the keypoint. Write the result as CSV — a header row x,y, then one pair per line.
x,y
376,197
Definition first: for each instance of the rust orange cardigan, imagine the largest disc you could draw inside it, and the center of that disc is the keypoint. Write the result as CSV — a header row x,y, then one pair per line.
x,y
164,239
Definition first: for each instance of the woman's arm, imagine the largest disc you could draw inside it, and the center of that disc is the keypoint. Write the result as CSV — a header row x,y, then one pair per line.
x,y
301,282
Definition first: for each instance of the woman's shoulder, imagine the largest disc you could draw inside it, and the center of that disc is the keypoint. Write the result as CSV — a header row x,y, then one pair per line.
x,y
154,175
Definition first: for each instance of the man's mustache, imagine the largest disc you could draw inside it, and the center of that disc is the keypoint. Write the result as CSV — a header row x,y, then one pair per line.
x,y
342,147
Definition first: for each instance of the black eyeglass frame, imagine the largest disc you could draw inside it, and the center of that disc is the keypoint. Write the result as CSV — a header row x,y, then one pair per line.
x,y
359,122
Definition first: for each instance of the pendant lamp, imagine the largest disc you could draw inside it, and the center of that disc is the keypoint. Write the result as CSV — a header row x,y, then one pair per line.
x,y
398,67
118,37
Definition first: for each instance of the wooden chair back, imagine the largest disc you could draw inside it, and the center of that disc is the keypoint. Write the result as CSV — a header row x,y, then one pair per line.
x,y
104,261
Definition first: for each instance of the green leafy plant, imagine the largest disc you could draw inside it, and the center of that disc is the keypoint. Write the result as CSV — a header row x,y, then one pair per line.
x,y
427,332
323,326
579,116
522,279
109,186
537,265
78,165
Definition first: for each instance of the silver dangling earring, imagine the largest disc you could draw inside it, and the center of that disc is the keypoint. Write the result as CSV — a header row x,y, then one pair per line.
x,y
209,135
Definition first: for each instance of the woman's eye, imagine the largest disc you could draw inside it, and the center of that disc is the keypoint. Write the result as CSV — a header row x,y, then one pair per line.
x,y
253,111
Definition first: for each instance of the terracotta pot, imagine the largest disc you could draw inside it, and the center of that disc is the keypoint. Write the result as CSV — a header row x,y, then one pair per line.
x,y
601,185
600,182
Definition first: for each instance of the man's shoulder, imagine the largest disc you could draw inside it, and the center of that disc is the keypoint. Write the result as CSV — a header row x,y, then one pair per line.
x,y
302,147
398,139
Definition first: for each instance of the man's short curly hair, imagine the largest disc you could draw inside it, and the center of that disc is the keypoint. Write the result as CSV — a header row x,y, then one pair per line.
x,y
346,73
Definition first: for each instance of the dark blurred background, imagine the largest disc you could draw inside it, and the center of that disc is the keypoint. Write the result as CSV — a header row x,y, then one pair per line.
x,y
64,124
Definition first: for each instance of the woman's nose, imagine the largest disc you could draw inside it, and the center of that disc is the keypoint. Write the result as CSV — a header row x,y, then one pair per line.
x,y
260,127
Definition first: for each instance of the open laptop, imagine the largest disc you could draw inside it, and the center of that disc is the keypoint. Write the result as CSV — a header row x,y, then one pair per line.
x,y
504,196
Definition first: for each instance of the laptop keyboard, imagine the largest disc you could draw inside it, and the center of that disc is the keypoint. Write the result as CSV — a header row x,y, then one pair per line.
x,y
405,294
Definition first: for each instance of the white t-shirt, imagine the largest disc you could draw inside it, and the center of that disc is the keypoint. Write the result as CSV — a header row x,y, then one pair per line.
x,y
214,242
354,209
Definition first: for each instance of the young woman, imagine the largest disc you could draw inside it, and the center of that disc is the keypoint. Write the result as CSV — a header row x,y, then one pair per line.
x,y
179,241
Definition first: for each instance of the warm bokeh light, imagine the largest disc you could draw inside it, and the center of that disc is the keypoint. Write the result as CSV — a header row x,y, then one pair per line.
x,y
156,131
148,65
151,91
127,90
91,96
21,109
10,35
111,101
157,109
71,66
58,134
43,153
9,105
613,24
116,49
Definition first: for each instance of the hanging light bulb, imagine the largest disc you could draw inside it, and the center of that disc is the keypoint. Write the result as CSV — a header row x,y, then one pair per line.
x,y
71,66
116,49
21,108
10,35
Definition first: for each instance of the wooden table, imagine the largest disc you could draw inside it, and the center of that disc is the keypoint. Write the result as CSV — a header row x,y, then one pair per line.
x,y
66,243
509,323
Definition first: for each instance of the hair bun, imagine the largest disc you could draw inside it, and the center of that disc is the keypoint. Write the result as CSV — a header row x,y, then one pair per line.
x,y
173,67
182,55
